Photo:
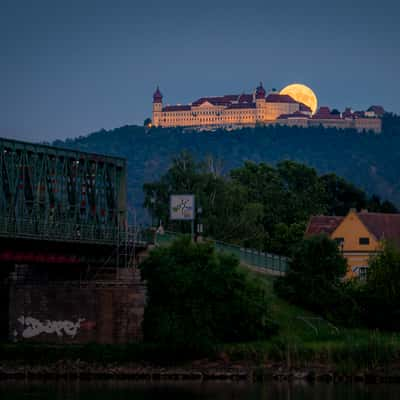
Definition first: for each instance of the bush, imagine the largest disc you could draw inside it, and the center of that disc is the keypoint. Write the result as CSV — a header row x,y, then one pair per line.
x,y
380,296
314,280
198,298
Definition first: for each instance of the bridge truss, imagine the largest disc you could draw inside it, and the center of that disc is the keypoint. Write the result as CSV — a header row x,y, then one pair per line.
x,y
58,194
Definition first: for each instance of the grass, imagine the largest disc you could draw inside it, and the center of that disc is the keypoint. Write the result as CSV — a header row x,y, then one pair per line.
x,y
305,339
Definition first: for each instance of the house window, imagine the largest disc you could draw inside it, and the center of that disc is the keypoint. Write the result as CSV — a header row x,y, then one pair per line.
x,y
363,241
339,241
362,273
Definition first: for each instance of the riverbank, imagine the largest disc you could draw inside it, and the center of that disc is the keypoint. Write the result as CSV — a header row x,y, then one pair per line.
x,y
202,370
306,347
375,361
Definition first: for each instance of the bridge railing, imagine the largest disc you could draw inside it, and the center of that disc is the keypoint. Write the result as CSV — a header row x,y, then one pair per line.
x,y
271,262
62,231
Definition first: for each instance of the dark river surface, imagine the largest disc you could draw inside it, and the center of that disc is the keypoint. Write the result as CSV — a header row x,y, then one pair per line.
x,y
118,390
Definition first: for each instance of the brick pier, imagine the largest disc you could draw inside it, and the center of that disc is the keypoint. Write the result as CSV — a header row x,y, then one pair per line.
x,y
103,310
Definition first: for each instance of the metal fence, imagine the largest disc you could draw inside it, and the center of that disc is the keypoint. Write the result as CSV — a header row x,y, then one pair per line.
x,y
67,232
254,258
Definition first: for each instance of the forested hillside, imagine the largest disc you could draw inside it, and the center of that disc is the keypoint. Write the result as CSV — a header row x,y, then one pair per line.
x,y
370,161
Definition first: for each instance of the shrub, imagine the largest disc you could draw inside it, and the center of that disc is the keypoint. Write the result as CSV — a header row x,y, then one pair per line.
x,y
380,296
314,279
197,298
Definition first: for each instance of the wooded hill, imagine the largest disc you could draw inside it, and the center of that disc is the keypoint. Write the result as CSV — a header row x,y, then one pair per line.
x,y
369,161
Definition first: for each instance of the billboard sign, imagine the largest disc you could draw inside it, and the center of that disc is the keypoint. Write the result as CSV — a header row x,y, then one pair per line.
x,y
181,207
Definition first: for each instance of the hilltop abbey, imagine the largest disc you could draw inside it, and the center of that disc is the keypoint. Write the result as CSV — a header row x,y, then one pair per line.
x,y
298,108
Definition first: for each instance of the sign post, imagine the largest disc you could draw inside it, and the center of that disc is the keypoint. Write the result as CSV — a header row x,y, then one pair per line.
x,y
182,208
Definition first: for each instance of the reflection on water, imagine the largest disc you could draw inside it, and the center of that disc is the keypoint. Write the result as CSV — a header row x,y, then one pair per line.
x,y
118,390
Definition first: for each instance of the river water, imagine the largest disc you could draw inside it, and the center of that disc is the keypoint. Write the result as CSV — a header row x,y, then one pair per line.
x,y
118,390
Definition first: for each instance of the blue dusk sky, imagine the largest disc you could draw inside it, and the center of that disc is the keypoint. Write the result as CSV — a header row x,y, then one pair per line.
x,y
69,68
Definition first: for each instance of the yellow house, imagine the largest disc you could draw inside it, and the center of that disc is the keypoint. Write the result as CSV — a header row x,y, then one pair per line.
x,y
359,235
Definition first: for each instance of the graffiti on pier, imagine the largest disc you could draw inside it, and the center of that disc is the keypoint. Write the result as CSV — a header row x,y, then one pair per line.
x,y
33,327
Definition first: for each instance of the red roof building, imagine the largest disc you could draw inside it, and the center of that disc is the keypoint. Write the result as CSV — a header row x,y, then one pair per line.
x,y
233,111
359,234
325,113
377,110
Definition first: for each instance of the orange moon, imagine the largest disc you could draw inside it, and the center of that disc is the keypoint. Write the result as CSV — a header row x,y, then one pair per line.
x,y
302,94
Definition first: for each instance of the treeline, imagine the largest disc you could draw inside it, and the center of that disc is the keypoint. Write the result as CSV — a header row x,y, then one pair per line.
x,y
315,281
369,161
256,205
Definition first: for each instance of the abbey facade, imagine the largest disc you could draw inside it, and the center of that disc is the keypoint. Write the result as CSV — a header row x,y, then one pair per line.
x,y
258,108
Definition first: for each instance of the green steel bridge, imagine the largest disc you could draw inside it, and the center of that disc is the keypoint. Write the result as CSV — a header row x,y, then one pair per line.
x,y
63,194
54,195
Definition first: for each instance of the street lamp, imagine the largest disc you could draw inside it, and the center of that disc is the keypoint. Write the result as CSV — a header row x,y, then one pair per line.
x,y
199,229
153,202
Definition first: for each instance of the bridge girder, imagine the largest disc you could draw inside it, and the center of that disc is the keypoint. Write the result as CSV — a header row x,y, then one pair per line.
x,y
63,194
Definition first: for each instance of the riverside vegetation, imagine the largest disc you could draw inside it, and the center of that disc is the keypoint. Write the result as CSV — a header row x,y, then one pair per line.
x,y
209,307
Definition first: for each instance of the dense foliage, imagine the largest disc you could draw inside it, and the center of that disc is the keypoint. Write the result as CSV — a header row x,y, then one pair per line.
x,y
367,160
198,298
380,296
256,205
314,279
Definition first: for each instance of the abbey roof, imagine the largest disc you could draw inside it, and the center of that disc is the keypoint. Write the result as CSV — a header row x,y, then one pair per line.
x,y
225,100
279,98
296,114
177,108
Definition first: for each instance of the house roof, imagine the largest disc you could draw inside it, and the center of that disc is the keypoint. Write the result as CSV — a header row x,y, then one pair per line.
x,y
320,224
382,226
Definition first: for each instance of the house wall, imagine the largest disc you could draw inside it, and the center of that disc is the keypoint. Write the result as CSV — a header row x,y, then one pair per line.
x,y
351,230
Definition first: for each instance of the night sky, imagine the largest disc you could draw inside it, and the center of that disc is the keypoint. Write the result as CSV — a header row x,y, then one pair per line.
x,y
69,68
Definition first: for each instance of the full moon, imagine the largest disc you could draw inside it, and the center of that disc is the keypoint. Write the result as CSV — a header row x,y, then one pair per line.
x,y
302,94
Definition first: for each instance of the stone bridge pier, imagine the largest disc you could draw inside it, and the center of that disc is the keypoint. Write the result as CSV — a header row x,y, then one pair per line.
x,y
107,309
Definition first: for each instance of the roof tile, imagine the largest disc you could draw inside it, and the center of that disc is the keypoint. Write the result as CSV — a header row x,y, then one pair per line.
x,y
322,224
